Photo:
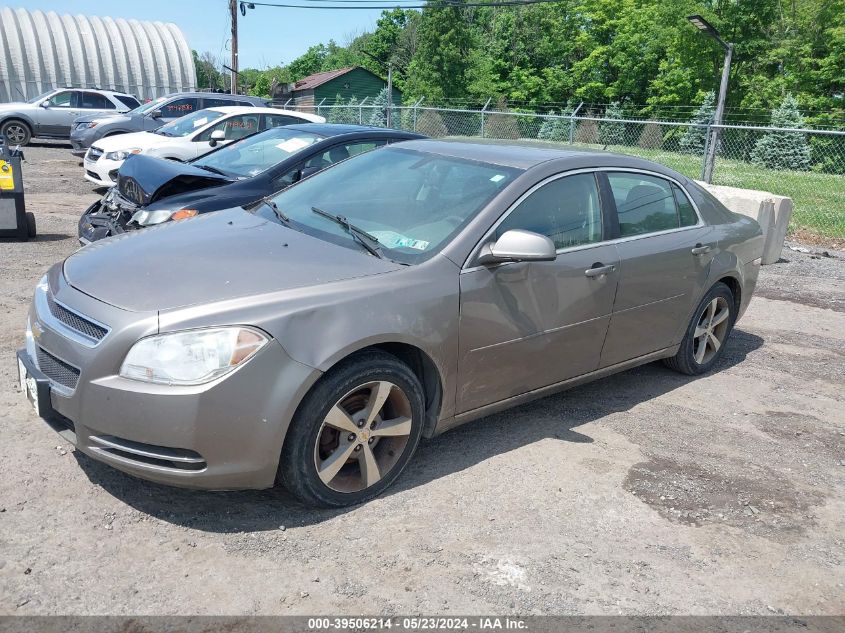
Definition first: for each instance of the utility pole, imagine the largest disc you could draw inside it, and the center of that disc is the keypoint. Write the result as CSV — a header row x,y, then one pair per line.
x,y
389,115
233,13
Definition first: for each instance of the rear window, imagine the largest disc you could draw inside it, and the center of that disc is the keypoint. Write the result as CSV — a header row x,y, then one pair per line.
x,y
129,102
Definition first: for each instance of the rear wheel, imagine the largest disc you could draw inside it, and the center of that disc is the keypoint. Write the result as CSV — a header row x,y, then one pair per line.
x,y
15,132
30,224
707,333
354,433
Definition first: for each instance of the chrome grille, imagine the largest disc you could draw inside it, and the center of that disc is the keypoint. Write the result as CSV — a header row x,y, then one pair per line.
x,y
94,153
56,369
75,321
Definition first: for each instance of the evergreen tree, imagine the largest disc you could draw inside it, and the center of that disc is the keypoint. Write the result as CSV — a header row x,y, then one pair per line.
x,y
612,132
554,129
695,138
783,150
378,113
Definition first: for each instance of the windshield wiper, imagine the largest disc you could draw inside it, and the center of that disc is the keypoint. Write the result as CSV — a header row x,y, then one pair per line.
x,y
279,213
213,170
366,240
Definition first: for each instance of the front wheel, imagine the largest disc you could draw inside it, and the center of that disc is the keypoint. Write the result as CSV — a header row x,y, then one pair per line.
x,y
354,433
15,133
705,339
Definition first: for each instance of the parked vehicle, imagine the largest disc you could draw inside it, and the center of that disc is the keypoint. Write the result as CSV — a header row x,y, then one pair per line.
x,y
151,116
51,115
315,337
152,191
185,138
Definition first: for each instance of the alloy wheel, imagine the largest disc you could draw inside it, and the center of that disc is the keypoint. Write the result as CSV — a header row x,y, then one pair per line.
x,y
711,330
15,134
363,436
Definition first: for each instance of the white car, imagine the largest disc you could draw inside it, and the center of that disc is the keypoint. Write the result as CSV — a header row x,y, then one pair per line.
x,y
185,138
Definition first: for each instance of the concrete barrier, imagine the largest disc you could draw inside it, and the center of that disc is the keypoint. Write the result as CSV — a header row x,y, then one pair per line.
x,y
771,212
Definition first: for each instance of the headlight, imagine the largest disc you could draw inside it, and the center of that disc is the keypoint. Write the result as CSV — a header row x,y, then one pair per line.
x,y
149,218
192,357
86,125
122,154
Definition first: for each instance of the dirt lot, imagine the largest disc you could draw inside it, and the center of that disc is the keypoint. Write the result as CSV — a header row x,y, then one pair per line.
x,y
644,493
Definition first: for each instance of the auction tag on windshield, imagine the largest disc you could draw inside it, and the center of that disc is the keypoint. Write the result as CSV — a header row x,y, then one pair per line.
x,y
293,145
395,240
201,121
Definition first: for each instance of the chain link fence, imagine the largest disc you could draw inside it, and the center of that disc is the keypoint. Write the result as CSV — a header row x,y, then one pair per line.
x,y
805,165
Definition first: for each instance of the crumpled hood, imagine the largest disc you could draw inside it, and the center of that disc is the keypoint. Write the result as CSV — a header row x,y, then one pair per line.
x,y
139,140
212,257
144,179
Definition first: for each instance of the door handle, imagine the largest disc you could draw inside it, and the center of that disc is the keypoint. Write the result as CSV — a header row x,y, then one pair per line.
x,y
598,270
700,249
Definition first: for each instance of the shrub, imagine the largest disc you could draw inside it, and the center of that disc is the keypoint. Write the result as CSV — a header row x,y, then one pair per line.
x,y
651,137
430,123
587,132
612,132
501,126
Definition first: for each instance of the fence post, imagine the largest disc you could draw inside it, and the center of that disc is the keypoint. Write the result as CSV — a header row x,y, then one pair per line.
x,y
417,105
572,123
707,175
319,105
482,115
361,111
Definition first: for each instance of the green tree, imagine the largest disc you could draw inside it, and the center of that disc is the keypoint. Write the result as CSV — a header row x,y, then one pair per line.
x,y
783,150
612,132
695,137
438,70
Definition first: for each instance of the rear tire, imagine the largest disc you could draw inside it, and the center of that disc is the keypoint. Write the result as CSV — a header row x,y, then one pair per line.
x,y
354,432
30,224
707,334
15,132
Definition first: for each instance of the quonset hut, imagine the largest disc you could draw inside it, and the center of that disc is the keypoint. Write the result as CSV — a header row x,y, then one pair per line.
x,y
39,52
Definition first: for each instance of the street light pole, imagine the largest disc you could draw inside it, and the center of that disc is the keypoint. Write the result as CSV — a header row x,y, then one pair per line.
x,y
708,29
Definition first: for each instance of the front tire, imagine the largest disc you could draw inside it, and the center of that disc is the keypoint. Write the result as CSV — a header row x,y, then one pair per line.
x,y
705,338
354,432
15,132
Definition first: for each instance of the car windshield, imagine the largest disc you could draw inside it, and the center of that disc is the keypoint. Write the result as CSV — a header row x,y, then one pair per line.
x,y
146,107
412,202
258,153
41,97
188,123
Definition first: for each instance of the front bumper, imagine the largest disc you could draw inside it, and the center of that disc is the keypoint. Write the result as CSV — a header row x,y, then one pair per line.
x,y
80,142
101,172
226,434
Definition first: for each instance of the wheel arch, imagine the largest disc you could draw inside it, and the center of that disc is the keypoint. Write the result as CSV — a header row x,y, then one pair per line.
x,y
420,362
735,286
23,119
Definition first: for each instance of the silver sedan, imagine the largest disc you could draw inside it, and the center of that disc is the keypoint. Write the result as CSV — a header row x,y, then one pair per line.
x,y
314,338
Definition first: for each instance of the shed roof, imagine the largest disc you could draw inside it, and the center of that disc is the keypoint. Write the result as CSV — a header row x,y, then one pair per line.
x,y
318,79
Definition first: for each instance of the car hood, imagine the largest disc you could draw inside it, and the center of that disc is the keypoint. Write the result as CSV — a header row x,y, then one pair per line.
x,y
213,257
140,140
145,179
102,119
17,105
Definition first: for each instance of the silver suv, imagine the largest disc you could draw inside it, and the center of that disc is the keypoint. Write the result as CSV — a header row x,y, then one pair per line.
x,y
51,114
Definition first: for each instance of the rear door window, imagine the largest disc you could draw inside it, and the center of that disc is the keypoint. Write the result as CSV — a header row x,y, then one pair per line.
x,y
129,102
277,120
645,204
95,101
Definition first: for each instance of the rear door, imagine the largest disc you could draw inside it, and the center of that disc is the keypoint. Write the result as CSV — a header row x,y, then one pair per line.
x,y
93,103
546,321
665,252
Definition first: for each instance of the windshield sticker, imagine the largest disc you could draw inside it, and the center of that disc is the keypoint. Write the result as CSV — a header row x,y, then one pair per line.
x,y
497,178
201,121
293,145
394,240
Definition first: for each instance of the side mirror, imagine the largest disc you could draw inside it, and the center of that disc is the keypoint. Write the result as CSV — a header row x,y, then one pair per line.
x,y
517,245
45,104
155,114
216,137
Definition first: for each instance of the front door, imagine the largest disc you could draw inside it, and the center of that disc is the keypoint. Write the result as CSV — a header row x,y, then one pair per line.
x,y
56,118
665,254
544,321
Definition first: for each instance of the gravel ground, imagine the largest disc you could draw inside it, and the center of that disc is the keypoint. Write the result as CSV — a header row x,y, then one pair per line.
x,y
644,493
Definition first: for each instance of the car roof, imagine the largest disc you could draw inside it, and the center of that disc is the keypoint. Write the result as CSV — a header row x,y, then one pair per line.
x,y
335,129
525,155
248,110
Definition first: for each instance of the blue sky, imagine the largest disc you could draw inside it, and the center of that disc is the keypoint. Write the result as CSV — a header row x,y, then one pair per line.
x,y
268,36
